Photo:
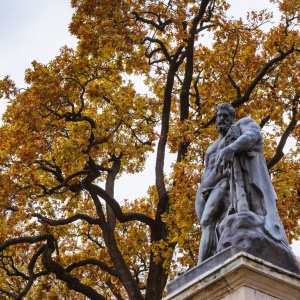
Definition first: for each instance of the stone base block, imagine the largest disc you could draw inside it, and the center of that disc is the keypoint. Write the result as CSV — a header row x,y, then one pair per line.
x,y
240,277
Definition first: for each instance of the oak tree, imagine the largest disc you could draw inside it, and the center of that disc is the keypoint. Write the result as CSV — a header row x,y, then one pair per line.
x,y
80,124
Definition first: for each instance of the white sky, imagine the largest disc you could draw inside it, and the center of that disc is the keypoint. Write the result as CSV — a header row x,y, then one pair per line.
x,y
36,29
31,30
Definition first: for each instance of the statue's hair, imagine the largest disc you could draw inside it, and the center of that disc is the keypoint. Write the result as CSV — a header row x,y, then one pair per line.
x,y
227,106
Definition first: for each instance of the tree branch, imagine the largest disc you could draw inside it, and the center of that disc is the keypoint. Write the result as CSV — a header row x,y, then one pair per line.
x,y
254,83
94,262
30,271
260,75
122,217
279,151
160,25
10,294
73,282
264,121
162,47
26,239
66,221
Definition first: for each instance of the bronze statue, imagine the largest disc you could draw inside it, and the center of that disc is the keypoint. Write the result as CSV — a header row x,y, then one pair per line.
x,y
236,202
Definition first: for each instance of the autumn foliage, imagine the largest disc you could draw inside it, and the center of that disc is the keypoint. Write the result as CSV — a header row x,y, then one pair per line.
x,y
80,124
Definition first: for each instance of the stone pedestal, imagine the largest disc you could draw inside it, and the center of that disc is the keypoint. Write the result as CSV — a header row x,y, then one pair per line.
x,y
240,276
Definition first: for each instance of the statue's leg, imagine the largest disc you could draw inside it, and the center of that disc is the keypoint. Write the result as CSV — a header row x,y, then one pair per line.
x,y
208,242
216,204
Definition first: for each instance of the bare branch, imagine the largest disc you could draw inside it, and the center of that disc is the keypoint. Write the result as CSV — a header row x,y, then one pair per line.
x,y
94,262
30,271
122,217
160,25
279,150
26,239
73,282
254,82
66,221
162,47
260,75
89,237
10,294
264,121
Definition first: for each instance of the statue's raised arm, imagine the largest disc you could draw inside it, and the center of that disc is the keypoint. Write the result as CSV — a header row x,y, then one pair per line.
x,y
241,136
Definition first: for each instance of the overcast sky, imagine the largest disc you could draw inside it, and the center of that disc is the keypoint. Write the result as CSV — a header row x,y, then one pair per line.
x,y
36,29
31,30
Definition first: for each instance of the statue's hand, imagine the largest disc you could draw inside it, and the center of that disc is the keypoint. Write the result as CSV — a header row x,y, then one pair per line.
x,y
224,160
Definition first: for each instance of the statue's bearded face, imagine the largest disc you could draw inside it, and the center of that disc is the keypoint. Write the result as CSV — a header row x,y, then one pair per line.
x,y
223,121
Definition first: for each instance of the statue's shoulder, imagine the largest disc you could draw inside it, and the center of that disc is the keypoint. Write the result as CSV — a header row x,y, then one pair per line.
x,y
247,123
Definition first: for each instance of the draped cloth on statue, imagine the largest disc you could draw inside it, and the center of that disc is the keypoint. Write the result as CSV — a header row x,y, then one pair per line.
x,y
261,194
256,185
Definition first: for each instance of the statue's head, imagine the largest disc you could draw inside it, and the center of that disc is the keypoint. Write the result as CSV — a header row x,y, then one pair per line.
x,y
225,115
